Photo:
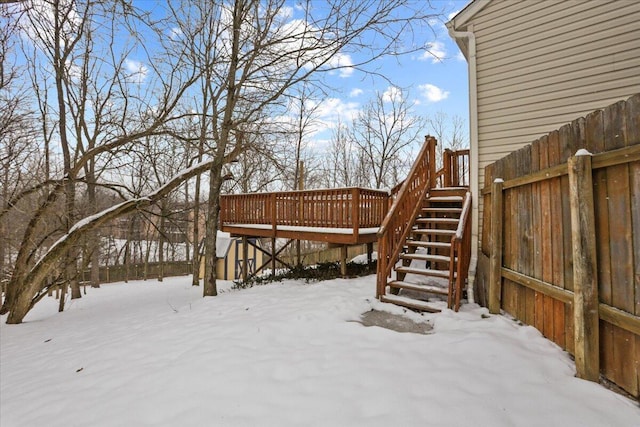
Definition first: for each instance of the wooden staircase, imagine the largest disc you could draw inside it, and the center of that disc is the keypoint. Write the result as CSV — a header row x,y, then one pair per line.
x,y
425,271
424,243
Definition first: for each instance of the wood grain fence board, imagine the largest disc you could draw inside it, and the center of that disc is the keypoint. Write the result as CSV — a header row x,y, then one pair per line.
x,y
516,240
514,236
595,140
489,176
547,255
556,242
615,131
526,250
620,240
538,315
509,289
569,146
619,203
634,169
594,132
519,234
633,135
618,189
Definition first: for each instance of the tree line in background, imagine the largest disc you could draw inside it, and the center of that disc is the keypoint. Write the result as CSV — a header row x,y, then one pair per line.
x,y
101,155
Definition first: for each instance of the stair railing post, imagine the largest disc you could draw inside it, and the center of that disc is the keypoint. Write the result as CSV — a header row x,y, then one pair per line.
x,y
495,259
446,164
355,212
432,161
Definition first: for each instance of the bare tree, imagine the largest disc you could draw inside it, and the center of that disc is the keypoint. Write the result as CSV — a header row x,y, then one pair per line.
x,y
18,150
449,131
343,163
94,106
384,131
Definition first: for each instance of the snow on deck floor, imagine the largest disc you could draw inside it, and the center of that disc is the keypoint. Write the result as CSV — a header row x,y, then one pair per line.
x,y
291,354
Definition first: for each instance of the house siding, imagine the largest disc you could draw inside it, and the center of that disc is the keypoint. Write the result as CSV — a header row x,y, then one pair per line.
x,y
541,64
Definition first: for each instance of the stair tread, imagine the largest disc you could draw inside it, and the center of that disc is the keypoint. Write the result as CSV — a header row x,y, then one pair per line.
x,y
433,209
419,287
409,303
423,271
439,220
441,231
444,199
426,257
423,244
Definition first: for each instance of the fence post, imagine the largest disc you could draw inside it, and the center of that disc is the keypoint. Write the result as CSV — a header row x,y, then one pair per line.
x,y
585,284
495,259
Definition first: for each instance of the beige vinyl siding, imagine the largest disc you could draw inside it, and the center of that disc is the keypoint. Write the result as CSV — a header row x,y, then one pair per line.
x,y
543,63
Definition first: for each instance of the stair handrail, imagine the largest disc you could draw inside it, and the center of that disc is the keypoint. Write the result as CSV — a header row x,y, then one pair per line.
x,y
460,254
404,210
466,208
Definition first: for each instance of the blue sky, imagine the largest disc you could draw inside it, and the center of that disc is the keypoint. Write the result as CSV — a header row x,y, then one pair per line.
x,y
435,82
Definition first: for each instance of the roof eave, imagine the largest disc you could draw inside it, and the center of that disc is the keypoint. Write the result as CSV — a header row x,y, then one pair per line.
x,y
461,21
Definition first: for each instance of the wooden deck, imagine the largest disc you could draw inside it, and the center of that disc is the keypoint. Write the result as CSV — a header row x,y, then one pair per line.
x,y
341,216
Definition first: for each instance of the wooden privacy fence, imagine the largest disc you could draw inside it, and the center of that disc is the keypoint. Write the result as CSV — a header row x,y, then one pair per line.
x,y
561,240
121,272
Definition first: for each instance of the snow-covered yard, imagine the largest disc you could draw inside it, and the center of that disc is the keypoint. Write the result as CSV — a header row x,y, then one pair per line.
x,y
284,354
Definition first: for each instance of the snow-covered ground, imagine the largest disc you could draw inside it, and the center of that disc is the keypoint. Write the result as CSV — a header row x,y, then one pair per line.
x,y
284,354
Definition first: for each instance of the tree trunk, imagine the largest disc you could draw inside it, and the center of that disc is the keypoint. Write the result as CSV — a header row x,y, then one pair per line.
x,y
210,285
195,267
161,239
94,237
63,295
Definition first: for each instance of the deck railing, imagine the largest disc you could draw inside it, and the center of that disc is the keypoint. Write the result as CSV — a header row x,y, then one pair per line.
x,y
455,169
352,208
404,210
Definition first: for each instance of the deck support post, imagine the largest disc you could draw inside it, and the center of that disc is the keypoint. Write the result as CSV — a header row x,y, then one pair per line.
x,y
495,259
343,260
245,256
273,256
585,275
369,254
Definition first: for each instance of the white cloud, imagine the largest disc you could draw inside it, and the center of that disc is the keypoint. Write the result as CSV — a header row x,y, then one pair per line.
x,y
175,33
392,93
433,93
37,21
285,13
136,71
355,92
343,63
333,109
435,52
